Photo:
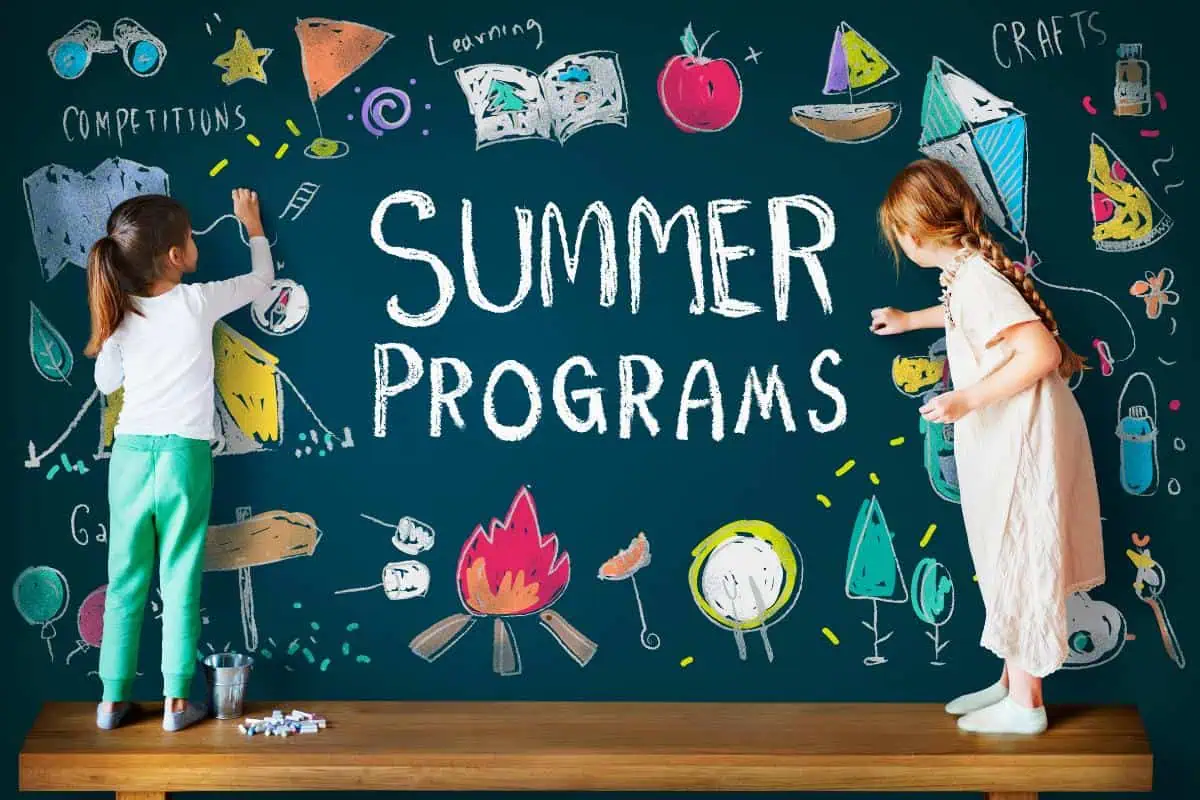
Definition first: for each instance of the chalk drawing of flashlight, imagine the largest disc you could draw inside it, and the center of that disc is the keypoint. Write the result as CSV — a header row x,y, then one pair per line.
x,y
1139,441
71,54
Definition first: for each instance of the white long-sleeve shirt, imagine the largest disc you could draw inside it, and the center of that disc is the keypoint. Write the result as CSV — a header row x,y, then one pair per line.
x,y
164,357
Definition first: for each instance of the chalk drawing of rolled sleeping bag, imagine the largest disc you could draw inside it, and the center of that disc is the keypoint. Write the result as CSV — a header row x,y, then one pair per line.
x,y
1138,436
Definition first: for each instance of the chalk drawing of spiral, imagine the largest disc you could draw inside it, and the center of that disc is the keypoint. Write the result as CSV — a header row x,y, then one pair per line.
x,y
385,99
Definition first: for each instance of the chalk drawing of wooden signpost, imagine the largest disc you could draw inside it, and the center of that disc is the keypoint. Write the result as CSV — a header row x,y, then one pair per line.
x,y
255,541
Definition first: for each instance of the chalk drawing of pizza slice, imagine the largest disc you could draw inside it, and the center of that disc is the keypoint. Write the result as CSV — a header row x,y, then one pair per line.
x,y
249,406
1124,215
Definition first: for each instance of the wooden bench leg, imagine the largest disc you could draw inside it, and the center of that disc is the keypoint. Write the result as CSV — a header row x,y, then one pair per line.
x,y
141,796
1012,796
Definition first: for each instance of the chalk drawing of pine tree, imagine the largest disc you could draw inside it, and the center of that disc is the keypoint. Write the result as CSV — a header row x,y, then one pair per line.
x,y
873,570
503,97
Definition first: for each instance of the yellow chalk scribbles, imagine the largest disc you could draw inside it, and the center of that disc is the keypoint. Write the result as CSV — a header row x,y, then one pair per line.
x,y
247,384
914,374
1124,216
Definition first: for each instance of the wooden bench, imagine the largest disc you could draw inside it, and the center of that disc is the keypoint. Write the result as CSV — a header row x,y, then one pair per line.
x,y
864,747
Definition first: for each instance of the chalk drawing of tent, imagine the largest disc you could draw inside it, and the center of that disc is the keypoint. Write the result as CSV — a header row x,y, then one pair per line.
x,y
248,414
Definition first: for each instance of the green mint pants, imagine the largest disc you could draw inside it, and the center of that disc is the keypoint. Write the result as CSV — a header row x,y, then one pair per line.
x,y
159,493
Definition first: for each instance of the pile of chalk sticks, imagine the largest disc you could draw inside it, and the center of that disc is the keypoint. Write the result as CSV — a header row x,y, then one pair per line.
x,y
279,725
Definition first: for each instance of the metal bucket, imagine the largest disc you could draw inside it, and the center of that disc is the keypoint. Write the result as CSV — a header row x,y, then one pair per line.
x,y
227,675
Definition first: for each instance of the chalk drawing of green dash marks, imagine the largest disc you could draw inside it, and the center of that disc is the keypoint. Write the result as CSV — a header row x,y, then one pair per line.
x,y
576,92
42,596
873,570
933,601
68,211
71,54
982,136
50,352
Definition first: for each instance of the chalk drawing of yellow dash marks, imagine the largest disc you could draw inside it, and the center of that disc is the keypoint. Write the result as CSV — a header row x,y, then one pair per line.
x,y
1148,585
873,570
255,541
71,54
1138,435
243,60
1124,215
746,577
50,352
855,65
511,103
625,564
68,210
984,137
42,596
249,412
1156,291
330,52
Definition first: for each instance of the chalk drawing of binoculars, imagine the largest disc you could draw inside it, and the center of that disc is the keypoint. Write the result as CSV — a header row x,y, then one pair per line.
x,y
71,54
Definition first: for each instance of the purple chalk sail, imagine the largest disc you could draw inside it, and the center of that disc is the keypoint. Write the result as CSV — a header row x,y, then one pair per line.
x,y
837,80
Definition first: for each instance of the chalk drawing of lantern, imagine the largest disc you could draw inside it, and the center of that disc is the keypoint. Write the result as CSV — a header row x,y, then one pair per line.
x,y
925,377
510,570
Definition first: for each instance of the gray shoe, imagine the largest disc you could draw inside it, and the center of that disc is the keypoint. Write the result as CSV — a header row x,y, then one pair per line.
x,y
178,720
107,720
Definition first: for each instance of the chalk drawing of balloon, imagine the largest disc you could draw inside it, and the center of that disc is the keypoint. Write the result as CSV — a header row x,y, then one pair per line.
x,y
378,106
42,596
1095,631
933,600
91,621
746,577
282,310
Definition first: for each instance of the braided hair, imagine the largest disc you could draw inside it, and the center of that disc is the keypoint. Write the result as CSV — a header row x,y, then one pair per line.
x,y
931,200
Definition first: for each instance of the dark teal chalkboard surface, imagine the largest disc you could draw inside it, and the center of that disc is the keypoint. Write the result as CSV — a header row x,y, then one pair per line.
x,y
426,376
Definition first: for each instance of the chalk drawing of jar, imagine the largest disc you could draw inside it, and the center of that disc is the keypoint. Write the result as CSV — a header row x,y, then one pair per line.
x,y
1139,441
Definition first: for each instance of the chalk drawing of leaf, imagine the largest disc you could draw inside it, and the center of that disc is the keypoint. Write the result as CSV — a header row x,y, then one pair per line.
x,y
50,352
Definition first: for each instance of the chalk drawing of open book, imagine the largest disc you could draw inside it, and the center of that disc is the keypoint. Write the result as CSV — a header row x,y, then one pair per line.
x,y
574,93
249,407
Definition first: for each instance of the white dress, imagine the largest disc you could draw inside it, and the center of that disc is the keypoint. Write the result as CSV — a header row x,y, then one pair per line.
x,y
1026,477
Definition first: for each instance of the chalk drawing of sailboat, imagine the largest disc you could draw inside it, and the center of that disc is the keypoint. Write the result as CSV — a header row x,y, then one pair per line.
x,y
855,65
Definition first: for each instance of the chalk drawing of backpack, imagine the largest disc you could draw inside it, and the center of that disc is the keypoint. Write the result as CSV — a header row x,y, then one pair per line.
x,y
1138,435
925,377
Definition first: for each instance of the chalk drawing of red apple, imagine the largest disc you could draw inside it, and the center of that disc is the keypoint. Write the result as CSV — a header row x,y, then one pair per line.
x,y
699,94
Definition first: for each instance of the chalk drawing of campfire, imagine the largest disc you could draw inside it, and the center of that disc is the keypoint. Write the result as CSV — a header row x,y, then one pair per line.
x,y
510,570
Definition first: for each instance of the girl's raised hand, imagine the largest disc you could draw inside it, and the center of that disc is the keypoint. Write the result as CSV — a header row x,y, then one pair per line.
x,y
245,208
889,321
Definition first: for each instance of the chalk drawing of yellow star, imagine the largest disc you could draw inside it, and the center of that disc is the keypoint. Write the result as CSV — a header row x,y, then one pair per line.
x,y
243,60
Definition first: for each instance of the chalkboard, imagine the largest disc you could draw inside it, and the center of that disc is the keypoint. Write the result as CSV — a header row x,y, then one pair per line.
x,y
564,337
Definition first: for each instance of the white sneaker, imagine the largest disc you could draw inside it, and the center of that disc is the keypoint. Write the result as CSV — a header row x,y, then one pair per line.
x,y
1006,716
964,704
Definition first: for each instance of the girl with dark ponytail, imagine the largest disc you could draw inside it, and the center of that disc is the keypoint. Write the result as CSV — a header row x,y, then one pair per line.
x,y
1026,477
152,340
